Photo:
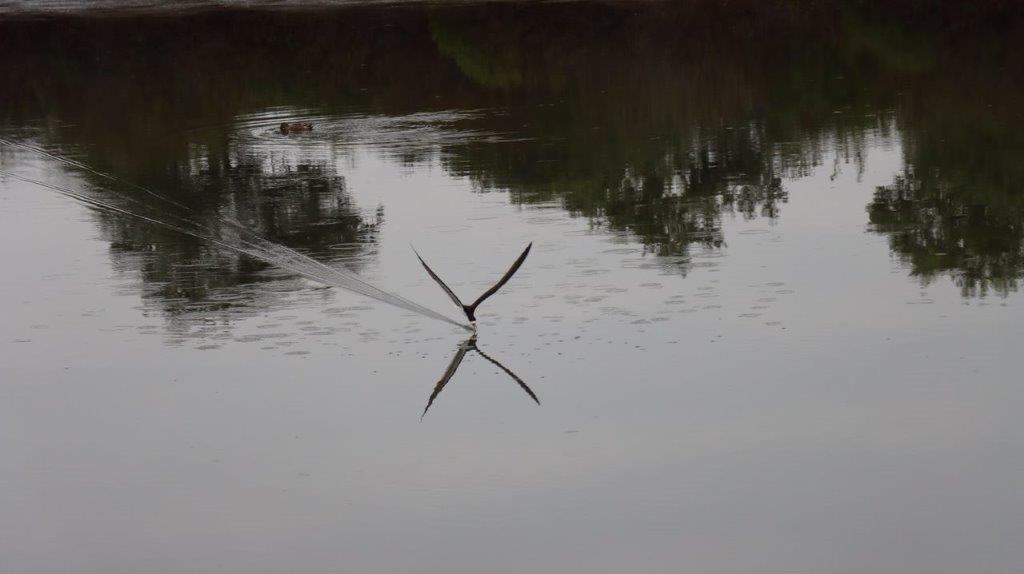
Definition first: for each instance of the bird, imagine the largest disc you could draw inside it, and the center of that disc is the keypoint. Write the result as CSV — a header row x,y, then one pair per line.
x,y
296,127
460,354
470,310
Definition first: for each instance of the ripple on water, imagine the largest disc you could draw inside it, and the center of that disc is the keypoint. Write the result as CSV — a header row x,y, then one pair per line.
x,y
641,263
254,338
708,265
616,311
450,228
548,220
622,251
395,134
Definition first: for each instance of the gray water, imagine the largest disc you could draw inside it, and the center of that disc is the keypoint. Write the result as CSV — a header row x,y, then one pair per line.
x,y
771,316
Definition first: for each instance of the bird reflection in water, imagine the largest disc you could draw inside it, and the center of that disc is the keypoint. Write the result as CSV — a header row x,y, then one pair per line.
x,y
464,348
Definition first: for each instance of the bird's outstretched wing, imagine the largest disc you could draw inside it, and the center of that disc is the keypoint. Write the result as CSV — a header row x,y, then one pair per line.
x,y
453,366
522,384
508,275
434,276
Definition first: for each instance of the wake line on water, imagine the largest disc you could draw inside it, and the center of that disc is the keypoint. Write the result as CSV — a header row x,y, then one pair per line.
x,y
245,241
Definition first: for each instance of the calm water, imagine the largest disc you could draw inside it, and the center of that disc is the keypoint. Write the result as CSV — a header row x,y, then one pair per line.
x,y
772,315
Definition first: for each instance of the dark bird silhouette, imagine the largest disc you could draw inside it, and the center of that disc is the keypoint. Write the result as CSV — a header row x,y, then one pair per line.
x,y
460,354
470,310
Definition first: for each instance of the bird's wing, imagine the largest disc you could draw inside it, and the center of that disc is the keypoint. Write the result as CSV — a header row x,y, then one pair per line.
x,y
448,373
522,384
434,276
508,275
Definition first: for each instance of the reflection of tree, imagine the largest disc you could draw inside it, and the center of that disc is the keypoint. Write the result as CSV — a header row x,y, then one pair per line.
x,y
479,61
654,119
958,206
642,120
937,228
305,206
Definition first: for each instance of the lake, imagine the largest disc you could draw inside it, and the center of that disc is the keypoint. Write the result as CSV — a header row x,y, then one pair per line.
x,y
770,321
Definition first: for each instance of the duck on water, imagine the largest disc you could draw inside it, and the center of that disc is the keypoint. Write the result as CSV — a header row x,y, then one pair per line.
x,y
296,127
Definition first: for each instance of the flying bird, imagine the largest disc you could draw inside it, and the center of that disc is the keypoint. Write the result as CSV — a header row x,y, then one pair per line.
x,y
470,310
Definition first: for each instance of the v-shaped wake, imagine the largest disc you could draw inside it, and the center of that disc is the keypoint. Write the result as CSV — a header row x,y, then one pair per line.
x,y
224,233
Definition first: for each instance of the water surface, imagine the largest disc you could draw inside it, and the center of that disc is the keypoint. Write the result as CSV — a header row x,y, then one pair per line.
x,y
771,316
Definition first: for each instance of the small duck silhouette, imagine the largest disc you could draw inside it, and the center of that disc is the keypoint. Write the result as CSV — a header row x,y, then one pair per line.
x,y
296,127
